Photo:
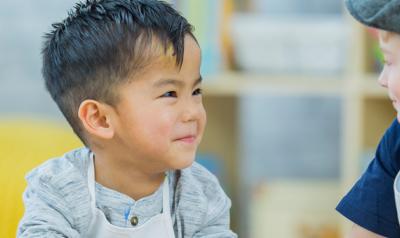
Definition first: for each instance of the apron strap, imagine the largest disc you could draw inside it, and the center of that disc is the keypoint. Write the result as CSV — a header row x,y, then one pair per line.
x,y
166,208
91,183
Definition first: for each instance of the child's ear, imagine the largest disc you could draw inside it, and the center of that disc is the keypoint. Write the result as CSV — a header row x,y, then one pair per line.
x,y
95,117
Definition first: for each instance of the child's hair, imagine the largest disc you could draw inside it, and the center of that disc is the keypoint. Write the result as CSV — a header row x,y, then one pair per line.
x,y
103,43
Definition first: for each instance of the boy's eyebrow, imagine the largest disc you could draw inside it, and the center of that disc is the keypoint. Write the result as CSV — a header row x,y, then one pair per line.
x,y
175,82
164,82
386,51
383,48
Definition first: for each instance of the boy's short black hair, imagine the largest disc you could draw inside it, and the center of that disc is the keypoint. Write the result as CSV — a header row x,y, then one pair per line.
x,y
103,43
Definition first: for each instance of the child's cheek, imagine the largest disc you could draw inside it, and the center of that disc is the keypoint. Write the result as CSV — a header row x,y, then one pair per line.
x,y
394,81
202,122
162,129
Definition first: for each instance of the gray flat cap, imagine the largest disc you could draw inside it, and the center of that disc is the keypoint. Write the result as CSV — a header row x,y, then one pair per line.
x,y
382,14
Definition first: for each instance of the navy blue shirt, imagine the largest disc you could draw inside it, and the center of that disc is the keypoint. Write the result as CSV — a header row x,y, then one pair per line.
x,y
370,203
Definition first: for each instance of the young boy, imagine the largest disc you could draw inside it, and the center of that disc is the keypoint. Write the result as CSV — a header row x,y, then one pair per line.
x,y
371,203
126,76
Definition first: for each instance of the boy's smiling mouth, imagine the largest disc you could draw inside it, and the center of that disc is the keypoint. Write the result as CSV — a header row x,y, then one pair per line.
x,y
394,101
188,139
395,104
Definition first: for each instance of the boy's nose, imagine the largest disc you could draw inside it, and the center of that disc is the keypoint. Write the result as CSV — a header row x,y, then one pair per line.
x,y
191,112
383,81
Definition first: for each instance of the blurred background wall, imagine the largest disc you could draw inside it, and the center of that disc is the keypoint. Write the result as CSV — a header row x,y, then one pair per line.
x,y
294,112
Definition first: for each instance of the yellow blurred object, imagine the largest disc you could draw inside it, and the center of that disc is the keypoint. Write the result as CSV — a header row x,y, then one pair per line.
x,y
322,231
226,39
25,144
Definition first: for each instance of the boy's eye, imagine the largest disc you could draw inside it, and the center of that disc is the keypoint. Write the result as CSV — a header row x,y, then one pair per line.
x,y
385,62
198,91
170,94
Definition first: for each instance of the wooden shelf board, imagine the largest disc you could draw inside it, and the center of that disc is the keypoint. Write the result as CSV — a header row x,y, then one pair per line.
x,y
235,84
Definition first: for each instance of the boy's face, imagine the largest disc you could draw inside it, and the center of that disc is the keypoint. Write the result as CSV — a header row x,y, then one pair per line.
x,y
390,75
160,117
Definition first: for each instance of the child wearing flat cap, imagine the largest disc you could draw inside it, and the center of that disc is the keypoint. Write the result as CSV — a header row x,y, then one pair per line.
x,y
371,203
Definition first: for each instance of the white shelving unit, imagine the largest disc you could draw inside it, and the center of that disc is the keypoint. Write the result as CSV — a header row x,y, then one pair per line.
x,y
366,113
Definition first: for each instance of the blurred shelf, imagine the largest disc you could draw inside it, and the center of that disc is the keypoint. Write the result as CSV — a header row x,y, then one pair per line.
x,y
236,84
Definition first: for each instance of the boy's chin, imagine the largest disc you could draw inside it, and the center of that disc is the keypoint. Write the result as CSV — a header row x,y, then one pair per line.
x,y
182,163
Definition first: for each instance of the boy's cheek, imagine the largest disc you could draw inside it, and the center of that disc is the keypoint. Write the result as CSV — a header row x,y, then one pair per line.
x,y
203,125
394,84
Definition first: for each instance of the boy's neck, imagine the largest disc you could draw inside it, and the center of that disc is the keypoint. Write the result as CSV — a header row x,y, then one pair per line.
x,y
128,180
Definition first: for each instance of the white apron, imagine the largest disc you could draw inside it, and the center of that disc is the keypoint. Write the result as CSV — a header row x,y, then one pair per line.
x,y
159,226
396,187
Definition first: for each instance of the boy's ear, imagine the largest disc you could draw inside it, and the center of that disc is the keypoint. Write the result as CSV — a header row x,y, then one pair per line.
x,y
95,118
